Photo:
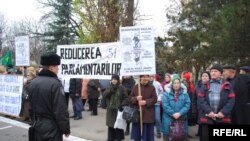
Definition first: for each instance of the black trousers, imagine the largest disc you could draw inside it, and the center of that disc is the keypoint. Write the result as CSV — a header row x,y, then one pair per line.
x,y
115,134
67,98
103,101
204,132
128,127
93,104
83,102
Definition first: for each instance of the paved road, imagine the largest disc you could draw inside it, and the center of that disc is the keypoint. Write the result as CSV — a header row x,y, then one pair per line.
x,y
93,127
89,128
12,131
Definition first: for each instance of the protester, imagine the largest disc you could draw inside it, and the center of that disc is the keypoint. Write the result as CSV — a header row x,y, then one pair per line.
x,y
192,113
25,114
166,81
84,96
146,100
75,91
157,109
3,70
116,97
93,95
32,70
176,105
65,83
205,78
50,117
241,86
19,70
245,70
215,101
10,69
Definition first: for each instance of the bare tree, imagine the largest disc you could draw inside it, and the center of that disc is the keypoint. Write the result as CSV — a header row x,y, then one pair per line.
x,y
101,19
29,28
2,29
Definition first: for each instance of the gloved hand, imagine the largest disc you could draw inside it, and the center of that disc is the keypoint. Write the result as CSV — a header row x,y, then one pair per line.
x,y
115,87
112,90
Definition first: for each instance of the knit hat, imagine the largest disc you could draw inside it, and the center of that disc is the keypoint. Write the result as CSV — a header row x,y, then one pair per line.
x,y
50,59
230,66
217,67
175,77
186,76
116,77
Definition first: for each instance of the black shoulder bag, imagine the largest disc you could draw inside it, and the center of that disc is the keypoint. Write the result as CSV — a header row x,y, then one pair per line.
x,y
130,114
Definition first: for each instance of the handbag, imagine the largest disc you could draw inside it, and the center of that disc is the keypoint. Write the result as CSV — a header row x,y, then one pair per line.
x,y
120,123
78,104
177,129
130,114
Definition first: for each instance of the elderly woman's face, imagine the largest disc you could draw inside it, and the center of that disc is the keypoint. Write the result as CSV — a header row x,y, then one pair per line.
x,y
177,84
204,77
144,79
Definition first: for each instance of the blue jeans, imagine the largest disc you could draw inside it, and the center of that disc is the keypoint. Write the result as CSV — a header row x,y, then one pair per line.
x,y
76,113
158,118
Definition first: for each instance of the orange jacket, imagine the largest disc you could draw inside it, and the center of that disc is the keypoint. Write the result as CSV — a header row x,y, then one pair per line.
x,y
84,88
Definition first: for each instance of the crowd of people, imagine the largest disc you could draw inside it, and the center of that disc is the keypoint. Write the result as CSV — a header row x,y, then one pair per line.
x,y
221,96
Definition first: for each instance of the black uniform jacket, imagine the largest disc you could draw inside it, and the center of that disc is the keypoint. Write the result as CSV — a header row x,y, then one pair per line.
x,y
48,107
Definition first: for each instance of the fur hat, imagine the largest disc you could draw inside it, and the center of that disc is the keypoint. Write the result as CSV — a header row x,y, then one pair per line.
x,y
50,59
217,67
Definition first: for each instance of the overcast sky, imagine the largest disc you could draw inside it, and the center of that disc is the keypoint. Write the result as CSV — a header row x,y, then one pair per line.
x,y
15,10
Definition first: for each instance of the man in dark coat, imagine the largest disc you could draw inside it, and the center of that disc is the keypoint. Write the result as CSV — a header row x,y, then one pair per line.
x,y
245,70
50,117
75,90
215,101
241,87
93,94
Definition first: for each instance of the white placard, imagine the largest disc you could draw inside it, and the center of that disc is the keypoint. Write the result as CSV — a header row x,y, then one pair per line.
x,y
22,51
92,61
138,50
11,87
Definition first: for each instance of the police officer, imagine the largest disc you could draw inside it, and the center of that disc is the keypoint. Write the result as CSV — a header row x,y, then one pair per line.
x,y
49,114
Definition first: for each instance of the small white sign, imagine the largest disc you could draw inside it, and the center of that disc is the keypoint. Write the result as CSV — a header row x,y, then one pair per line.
x,y
138,50
22,51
